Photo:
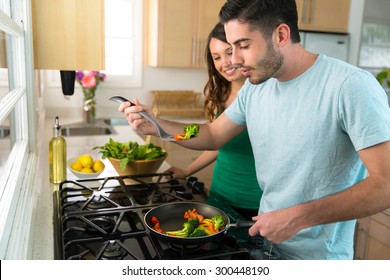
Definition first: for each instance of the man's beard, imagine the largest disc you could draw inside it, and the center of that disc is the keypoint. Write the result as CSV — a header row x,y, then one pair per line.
x,y
267,67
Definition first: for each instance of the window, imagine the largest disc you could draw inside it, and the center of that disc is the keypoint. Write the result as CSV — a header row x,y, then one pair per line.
x,y
123,28
375,46
18,128
118,38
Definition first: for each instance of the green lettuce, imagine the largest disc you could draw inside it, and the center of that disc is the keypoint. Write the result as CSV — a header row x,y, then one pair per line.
x,y
128,152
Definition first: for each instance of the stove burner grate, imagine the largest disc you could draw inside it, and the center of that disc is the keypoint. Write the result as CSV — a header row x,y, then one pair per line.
x,y
103,224
112,251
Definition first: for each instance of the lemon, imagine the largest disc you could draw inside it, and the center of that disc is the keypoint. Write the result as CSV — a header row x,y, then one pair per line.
x,y
86,170
76,166
86,161
98,165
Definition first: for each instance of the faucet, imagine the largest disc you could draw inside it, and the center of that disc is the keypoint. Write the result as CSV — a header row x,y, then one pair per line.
x,y
87,105
89,111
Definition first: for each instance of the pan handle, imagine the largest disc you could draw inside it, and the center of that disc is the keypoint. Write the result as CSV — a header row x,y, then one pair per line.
x,y
241,224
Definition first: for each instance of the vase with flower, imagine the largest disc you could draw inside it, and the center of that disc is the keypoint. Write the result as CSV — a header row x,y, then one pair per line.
x,y
89,81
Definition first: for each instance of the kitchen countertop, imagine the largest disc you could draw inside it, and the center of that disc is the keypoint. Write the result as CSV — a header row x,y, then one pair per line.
x,y
43,235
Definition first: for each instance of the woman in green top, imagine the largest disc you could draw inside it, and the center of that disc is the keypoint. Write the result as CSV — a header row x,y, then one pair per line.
x,y
234,178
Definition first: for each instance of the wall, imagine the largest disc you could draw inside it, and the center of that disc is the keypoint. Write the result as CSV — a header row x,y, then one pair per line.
x,y
377,10
355,29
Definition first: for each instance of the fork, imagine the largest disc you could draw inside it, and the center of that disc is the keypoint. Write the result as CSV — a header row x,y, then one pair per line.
x,y
163,134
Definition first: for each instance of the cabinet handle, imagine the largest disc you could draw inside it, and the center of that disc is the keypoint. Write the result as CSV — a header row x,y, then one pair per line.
x,y
201,46
193,55
304,12
362,230
311,11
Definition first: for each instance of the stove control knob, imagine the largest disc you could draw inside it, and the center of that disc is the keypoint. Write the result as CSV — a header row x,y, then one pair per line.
x,y
191,180
197,187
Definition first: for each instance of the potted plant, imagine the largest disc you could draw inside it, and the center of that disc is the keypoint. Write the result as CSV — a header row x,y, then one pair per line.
x,y
383,76
130,158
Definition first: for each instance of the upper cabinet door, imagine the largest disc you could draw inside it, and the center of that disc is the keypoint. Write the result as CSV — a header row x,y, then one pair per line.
x,y
178,31
325,16
171,36
68,34
207,19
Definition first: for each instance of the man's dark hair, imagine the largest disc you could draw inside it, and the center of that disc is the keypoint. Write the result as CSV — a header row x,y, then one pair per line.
x,y
265,15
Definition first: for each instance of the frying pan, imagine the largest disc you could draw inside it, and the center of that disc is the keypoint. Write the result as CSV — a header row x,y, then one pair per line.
x,y
171,217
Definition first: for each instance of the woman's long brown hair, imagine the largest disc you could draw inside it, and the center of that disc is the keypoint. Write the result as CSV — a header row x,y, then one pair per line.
x,y
217,87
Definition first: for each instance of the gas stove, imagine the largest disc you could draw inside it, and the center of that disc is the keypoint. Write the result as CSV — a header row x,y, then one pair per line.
x,y
102,218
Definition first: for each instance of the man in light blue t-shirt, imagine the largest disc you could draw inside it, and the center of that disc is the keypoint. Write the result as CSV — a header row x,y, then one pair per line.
x,y
308,153
316,125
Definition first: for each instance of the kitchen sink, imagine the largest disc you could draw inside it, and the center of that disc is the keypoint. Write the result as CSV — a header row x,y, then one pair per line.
x,y
98,127
87,131
4,132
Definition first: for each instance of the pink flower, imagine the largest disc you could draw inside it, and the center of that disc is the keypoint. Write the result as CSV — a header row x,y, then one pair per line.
x,y
89,80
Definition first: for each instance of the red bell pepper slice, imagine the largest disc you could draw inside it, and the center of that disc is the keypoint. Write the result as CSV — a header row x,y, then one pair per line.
x,y
179,136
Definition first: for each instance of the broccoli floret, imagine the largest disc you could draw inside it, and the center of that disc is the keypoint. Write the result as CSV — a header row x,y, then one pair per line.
x,y
191,131
188,228
218,221
199,232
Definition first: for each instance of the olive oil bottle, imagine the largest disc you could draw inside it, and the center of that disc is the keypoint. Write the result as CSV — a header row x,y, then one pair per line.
x,y
57,155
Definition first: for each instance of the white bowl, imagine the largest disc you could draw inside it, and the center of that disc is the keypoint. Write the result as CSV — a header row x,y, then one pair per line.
x,y
82,175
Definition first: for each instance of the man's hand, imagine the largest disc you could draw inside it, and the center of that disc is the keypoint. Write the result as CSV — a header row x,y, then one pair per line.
x,y
277,226
136,121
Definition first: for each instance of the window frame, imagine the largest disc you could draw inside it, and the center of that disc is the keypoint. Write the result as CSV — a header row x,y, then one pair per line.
x,y
18,105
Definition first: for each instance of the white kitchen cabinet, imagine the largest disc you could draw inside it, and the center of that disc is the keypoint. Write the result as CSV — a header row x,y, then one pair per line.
x,y
178,31
325,16
68,34
372,239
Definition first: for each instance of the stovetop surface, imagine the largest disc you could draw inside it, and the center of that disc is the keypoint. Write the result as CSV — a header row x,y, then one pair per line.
x,y
103,219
